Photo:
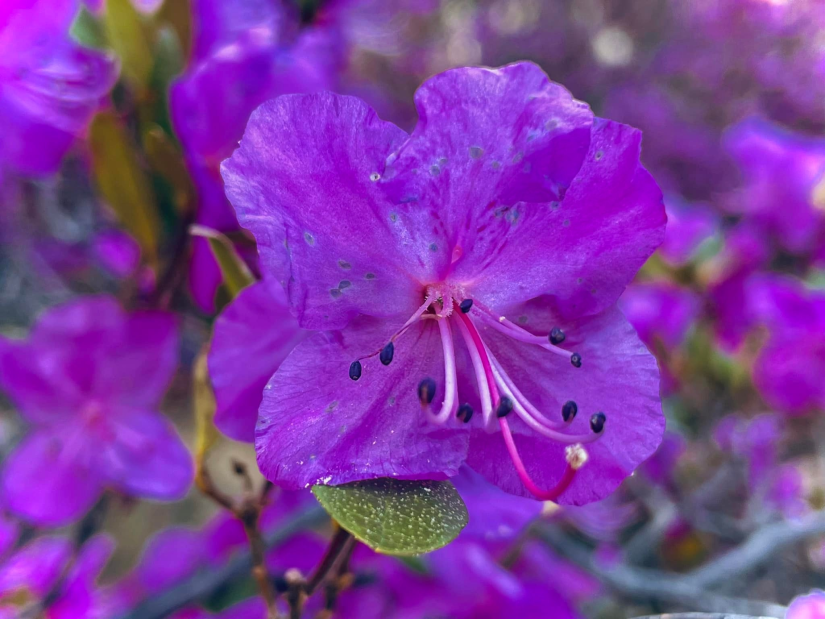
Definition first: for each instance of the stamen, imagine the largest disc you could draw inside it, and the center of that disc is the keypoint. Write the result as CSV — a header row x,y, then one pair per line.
x,y
478,368
426,391
419,313
597,422
387,353
466,305
509,387
448,406
556,336
569,410
576,360
575,455
465,413
506,327
355,370
505,407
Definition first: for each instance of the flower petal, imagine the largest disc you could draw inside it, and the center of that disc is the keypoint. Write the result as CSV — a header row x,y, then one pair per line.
x,y
618,376
145,456
585,250
251,338
44,485
335,430
300,182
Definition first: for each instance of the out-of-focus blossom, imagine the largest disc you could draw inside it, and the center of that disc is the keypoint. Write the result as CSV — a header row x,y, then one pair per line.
x,y
89,379
252,336
510,197
783,189
662,314
241,58
788,371
117,252
811,606
42,571
688,227
660,466
49,85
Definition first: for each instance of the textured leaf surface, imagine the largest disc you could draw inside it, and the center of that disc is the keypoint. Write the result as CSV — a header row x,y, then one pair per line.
x,y
395,516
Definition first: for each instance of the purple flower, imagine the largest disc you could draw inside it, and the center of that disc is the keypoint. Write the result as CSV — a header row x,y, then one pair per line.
x,y
49,85
407,252
688,226
811,606
241,58
34,573
252,336
89,379
117,252
782,175
788,371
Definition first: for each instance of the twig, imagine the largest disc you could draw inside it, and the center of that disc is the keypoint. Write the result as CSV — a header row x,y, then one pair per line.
x,y
202,584
646,584
336,545
757,550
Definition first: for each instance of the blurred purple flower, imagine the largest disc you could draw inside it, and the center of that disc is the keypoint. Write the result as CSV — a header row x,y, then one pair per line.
x,y
788,371
688,226
242,56
811,606
660,466
89,378
117,252
783,175
252,336
363,222
49,85
34,574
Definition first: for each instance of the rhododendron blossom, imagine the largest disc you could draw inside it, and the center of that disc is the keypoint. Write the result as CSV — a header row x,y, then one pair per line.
x,y
463,280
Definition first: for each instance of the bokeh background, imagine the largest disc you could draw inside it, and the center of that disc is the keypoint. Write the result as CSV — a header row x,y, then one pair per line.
x,y
117,114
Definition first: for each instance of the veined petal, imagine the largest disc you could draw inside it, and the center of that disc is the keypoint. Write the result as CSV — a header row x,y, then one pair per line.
x,y
583,250
618,376
252,336
338,430
45,485
303,182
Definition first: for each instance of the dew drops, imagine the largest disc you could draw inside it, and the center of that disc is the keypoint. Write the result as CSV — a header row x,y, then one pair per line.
x,y
334,293
393,217
310,240
369,276
435,170
599,154
495,165
375,177
344,265
433,247
344,284
476,152
331,407
566,223
442,161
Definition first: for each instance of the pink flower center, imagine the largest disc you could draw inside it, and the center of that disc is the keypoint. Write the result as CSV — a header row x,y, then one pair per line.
x,y
499,395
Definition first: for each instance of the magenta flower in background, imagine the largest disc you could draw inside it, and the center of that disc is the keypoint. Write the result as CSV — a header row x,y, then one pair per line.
x,y
811,606
89,379
240,59
789,369
33,572
782,189
49,85
251,338
407,252
688,227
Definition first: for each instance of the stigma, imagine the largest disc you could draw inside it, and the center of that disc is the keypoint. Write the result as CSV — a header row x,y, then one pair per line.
x,y
500,398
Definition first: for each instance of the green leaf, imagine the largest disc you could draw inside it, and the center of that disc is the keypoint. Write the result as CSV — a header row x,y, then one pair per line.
x,y
123,182
87,31
206,434
129,38
236,275
395,516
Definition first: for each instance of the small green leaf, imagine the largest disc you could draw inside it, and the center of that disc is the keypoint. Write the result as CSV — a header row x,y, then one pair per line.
x,y
87,30
123,183
395,516
236,275
129,38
